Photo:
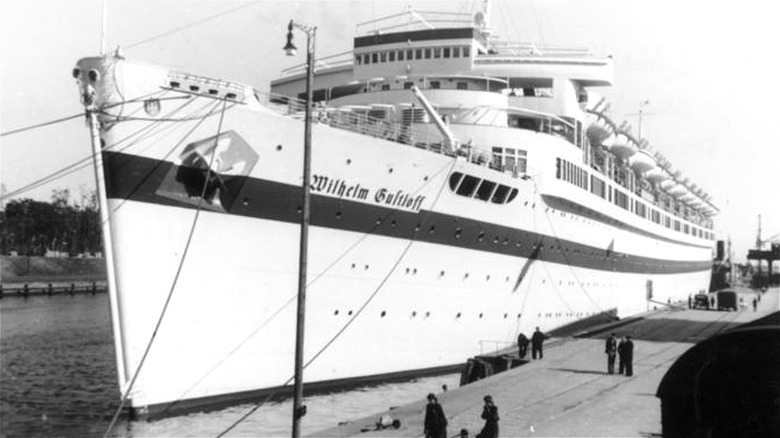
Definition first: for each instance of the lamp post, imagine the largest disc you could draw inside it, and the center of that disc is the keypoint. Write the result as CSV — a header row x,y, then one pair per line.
x,y
299,410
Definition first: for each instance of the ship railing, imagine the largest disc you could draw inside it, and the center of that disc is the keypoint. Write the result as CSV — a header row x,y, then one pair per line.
x,y
491,346
517,48
327,62
420,134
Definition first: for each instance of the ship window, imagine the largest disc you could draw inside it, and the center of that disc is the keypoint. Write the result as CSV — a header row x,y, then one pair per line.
x,y
435,85
367,58
512,196
446,52
455,179
418,54
437,52
468,185
391,56
456,52
466,51
462,85
400,55
374,58
358,59
385,87
428,53
408,85
383,57
409,55
485,190
500,194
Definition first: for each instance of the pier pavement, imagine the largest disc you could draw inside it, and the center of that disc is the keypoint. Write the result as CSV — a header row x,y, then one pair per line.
x,y
569,393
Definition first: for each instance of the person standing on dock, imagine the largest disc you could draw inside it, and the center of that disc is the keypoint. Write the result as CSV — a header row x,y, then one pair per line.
x,y
611,351
621,351
435,420
522,345
628,356
490,415
537,339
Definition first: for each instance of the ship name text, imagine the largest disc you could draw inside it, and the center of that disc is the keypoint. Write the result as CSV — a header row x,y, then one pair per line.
x,y
338,188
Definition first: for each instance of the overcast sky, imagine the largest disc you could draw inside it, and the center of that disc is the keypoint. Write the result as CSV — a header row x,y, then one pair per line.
x,y
710,70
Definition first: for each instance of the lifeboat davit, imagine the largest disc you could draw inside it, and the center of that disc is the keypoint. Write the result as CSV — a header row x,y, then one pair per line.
x,y
657,175
623,146
642,161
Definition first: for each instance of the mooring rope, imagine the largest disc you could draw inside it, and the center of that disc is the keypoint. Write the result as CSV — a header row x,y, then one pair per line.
x,y
173,285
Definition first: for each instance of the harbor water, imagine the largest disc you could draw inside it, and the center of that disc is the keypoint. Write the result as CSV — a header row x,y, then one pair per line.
x,y
59,379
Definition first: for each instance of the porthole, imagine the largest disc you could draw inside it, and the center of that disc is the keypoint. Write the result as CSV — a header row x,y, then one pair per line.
x,y
458,315
246,202
349,161
336,312
278,147
338,215
349,313
390,170
481,315
383,314
432,229
393,223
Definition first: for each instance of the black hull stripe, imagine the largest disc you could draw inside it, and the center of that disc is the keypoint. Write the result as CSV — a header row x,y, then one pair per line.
x,y
136,178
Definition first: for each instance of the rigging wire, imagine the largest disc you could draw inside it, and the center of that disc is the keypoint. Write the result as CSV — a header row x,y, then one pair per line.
x,y
193,24
86,161
173,285
365,304
41,125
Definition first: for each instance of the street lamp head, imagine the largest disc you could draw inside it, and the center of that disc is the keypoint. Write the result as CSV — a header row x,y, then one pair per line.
x,y
290,48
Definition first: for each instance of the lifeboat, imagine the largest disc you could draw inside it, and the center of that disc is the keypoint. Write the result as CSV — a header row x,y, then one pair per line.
x,y
642,161
688,197
657,175
623,146
677,190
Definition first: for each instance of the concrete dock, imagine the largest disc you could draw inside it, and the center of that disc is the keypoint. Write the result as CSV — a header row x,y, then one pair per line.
x,y
569,393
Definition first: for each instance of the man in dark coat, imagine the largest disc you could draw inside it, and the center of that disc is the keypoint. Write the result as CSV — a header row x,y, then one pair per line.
x,y
537,339
435,421
621,351
628,356
490,415
611,351
522,345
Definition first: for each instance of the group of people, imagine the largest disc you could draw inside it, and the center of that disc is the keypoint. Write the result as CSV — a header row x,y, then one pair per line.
x,y
537,343
624,350
436,421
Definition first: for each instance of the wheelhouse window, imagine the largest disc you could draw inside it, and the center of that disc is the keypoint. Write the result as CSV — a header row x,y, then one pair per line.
x,y
482,189
374,58
408,85
456,52
418,54
400,55
427,53
437,52
391,56
466,51
485,190
358,59
367,58
446,52
435,85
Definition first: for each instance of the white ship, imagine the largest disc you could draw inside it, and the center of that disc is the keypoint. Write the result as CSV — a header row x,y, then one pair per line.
x,y
464,189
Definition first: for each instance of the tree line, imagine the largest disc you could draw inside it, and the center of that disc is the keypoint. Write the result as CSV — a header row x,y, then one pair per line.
x,y
63,225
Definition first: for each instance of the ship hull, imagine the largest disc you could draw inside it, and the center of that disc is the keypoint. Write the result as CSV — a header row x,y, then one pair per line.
x,y
404,273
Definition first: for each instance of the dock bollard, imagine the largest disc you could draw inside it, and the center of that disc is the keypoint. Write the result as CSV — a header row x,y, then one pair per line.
x,y
49,290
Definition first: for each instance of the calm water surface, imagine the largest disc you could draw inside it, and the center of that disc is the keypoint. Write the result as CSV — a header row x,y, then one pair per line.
x,y
58,378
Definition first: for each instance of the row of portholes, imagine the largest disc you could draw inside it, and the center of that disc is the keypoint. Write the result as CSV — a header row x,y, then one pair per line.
x,y
414,314
481,315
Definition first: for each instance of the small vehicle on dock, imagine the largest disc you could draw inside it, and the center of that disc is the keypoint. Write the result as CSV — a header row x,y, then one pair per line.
x,y
701,301
726,299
